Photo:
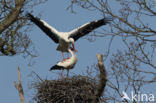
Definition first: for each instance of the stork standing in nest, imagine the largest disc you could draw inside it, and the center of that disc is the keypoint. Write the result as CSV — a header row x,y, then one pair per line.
x,y
64,39
67,64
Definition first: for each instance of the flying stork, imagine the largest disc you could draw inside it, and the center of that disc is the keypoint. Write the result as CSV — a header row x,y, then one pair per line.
x,y
64,39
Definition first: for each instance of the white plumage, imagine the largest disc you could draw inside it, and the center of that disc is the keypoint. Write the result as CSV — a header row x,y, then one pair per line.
x,y
67,64
66,38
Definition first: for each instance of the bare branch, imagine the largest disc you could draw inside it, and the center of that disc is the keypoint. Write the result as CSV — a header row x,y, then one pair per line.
x,y
12,15
131,67
14,27
103,79
19,87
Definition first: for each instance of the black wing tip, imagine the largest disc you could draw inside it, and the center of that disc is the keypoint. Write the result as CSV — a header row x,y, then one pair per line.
x,y
29,15
56,67
108,19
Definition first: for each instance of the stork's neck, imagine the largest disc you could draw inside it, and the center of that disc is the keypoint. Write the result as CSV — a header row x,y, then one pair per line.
x,y
71,52
73,58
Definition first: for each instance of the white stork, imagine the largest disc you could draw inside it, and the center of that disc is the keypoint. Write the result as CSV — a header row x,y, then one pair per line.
x,y
66,38
67,64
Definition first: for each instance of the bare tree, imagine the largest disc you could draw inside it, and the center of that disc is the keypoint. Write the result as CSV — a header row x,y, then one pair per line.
x,y
131,68
14,26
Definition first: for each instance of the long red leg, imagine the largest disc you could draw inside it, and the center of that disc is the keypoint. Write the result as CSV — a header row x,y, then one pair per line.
x,y
67,74
67,55
63,56
74,47
60,76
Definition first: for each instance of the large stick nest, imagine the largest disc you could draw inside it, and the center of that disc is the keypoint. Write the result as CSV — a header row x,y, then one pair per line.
x,y
77,89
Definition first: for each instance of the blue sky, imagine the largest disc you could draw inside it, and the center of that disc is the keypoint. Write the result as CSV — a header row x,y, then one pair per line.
x,y
55,13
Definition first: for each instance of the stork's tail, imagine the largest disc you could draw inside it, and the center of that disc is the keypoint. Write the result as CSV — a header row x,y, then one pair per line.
x,y
56,67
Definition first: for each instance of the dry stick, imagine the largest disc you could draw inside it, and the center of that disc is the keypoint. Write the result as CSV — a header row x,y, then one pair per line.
x,y
19,86
103,79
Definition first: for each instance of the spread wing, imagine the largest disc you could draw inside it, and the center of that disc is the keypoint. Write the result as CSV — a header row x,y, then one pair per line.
x,y
88,27
45,27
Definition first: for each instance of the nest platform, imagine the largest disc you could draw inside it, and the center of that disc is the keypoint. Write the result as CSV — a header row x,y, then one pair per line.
x,y
77,89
